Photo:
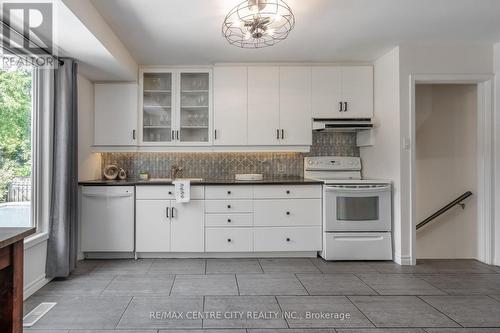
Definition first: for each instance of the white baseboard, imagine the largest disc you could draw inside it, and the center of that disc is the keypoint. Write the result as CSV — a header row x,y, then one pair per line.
x,y
403,260
109,255
304,254
34,286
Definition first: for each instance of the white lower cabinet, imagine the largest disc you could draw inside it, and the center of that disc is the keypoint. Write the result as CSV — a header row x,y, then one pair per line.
x,y
287,212
229,206
187,226
288,192
152,226
229,220
229,239
168,226
263,218
287,239
253,218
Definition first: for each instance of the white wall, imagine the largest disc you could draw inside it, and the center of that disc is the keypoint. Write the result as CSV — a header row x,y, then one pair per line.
x,y
497,153
121,65
35,257
89,164
446,167
381,161
429,59
391,156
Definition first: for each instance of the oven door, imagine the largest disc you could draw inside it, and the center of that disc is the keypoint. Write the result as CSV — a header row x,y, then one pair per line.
x,y
357,207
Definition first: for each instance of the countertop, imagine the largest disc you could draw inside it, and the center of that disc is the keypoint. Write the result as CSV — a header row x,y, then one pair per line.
x,y
208,181
9,236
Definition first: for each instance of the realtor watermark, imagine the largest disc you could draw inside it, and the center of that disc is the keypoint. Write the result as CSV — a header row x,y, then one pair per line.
x,y
28,33
248,315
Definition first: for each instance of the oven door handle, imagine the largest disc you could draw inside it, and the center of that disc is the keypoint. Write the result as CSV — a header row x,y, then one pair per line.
x,y
341,189
358,238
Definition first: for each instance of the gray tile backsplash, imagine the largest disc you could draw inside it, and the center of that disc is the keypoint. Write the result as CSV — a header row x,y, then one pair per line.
x,y
225,165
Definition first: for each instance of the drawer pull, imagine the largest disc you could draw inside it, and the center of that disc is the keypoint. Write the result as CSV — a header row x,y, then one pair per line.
x,y
287,213
288,239
229,220
170,192
229,240
228,192
229,206
287,191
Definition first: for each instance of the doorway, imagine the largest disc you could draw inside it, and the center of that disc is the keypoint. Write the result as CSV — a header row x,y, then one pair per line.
x,y
445,169
485,164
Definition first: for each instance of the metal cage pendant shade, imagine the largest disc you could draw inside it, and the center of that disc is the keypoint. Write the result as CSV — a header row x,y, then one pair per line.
x,y
258,23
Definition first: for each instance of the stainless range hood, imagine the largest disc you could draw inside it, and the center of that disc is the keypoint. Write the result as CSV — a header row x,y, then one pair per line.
x,y
348,124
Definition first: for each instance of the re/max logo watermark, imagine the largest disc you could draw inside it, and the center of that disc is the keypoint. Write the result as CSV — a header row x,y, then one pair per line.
x,y
28,34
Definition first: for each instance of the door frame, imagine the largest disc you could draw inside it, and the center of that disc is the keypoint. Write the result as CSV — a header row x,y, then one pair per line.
x,y
485,157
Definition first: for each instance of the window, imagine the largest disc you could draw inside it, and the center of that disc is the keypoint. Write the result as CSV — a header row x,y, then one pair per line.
x,y
16,179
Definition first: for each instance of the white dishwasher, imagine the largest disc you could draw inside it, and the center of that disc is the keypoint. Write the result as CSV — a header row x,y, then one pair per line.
x,y
107,219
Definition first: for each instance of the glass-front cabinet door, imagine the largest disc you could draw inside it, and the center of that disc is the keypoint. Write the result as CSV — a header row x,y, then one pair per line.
x,y
176,107
194,120
157,107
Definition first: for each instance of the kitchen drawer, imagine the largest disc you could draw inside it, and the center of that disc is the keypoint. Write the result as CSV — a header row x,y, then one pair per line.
x,y
228,206
292,212
288,192
229,192
357,246
229,220
228,240
287,239
162,192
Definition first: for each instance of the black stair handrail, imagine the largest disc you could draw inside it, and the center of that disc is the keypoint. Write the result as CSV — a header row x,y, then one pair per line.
x,y
457,201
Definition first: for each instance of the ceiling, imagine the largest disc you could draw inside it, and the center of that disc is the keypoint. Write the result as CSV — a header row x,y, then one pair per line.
x,y
184,32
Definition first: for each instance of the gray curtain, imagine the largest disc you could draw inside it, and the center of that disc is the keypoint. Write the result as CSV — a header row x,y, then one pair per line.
x,y
61,247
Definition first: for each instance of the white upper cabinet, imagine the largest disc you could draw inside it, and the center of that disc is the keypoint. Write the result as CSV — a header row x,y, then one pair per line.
x,y
295,106
176,107
230,106
342,92
253,105
264,106
195,105
115,116
326,83
157,107
357,91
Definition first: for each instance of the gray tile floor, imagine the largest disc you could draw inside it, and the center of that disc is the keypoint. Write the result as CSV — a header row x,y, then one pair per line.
x,y
272,296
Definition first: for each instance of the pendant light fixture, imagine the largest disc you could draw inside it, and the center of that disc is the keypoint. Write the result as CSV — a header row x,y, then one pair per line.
x,y
258,23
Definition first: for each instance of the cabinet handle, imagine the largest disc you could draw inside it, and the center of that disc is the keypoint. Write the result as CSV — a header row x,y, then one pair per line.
x,y
287,213
170,192
228,192
172,210
133,134
228,220
229,240
168,215
288,239
172,137
177,134
287,191
228,206
282,134
345,106
215,134
340,107
277,134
